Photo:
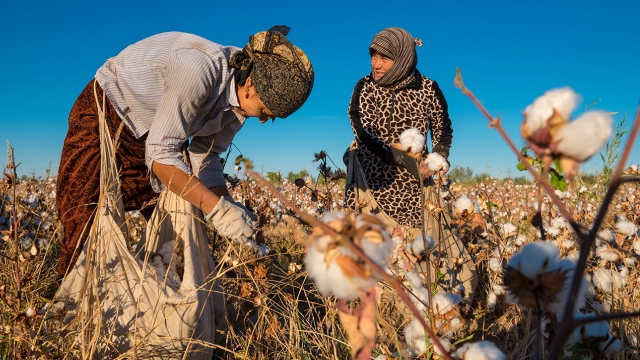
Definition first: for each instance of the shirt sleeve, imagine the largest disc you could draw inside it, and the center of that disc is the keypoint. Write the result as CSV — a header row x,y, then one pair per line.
x,y
204,151
441,129
189,79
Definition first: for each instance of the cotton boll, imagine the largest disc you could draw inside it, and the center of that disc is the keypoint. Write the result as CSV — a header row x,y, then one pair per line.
x,y
173,279
495,265
605,235
335,269
417,145
42,243
329,278
414,336
482,350
159,267
405,143
560,222
463,205
585,136
629,261
606,280
626,227
520,239
413,277
553,231
624,272
410,133
378,252
407,137
29,312
436,162
606,253
26,243
592,329
533,257
418,245
509,229
444,302
562,100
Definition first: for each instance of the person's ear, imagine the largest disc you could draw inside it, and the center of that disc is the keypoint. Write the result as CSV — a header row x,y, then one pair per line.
x,y
248,82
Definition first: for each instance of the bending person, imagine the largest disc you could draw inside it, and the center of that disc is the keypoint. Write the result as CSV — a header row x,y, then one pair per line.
x,y
162,93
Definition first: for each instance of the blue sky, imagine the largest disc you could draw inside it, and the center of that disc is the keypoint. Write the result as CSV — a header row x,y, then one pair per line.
x,y
510,52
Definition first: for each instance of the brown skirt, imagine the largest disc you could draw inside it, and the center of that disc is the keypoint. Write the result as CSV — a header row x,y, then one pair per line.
x,y
78,184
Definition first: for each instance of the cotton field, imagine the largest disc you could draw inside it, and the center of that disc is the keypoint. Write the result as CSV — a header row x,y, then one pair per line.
x,y
524,257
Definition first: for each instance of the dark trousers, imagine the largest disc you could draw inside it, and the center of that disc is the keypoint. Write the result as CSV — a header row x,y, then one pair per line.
x,y
78,183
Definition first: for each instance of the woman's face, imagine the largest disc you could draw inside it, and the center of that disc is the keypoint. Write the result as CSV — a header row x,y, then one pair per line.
x,y
252,106
380,64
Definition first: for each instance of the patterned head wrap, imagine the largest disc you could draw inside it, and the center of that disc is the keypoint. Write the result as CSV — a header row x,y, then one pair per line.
x,y
280,71
398,45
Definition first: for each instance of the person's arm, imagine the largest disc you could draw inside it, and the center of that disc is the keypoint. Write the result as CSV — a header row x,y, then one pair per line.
x,y
441,130
189,187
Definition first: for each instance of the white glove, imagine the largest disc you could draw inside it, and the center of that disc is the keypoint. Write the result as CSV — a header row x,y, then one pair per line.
x,y
232,221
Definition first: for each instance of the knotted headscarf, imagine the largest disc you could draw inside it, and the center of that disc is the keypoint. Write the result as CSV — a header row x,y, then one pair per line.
x,y
398,45
281,73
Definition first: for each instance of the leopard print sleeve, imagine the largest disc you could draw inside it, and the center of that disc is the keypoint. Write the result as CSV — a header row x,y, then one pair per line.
x,y
441,130
363,123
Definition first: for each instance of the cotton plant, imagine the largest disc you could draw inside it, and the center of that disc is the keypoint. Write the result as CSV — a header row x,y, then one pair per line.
x,y
536,277
592,340
464,207
446,311
551,134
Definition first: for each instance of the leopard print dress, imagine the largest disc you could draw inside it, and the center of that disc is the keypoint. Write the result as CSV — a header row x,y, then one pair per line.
x,y
378,116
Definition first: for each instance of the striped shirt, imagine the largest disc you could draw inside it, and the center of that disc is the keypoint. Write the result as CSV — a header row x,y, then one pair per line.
x,y
176,86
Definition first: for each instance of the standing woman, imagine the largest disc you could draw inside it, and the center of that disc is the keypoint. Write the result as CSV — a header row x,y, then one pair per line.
x,y
162,93
381,179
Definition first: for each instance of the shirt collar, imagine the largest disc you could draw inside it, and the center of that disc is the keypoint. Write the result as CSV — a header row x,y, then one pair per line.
x,y
233,99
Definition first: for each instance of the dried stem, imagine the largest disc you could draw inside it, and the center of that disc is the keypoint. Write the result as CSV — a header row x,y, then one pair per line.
x,y
567,326
11,166
395,284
